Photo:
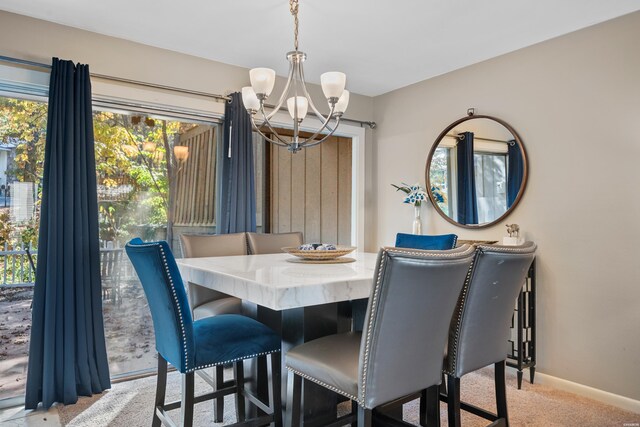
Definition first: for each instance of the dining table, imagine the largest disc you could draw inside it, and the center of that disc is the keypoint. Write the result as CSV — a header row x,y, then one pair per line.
x,y
300,300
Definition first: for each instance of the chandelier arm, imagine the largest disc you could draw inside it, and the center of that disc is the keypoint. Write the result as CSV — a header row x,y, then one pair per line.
x,y
285,92
312,144
273,131
277,141
318,114
323,127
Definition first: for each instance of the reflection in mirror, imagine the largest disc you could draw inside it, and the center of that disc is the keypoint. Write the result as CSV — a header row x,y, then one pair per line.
x,y
476,171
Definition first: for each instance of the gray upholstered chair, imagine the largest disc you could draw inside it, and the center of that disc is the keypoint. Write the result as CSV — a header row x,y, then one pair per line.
x,y
401,348
272,243
206,302
480,327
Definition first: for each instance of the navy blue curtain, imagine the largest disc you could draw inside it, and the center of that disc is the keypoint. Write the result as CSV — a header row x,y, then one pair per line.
x,y
515,172
467,200
237,208
67,354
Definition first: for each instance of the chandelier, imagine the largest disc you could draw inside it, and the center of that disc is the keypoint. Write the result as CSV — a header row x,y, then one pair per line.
x,y
296,96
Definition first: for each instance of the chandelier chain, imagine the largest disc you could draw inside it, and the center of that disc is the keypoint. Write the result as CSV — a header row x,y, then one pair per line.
x,y
293,7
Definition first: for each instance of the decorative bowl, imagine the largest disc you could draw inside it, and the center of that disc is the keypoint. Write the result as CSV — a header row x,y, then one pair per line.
x,y
319,255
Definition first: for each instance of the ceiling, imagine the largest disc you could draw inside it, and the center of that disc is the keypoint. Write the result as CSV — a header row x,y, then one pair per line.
x,y
381,45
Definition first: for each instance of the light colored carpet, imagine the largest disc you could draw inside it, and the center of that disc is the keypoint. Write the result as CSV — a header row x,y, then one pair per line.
x,y
129,404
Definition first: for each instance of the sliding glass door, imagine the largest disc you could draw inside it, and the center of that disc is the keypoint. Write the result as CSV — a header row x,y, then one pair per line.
x,y
23,125
145,191
140,194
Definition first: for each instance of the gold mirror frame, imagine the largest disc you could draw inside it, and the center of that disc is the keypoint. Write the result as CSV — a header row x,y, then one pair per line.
x,y
525,173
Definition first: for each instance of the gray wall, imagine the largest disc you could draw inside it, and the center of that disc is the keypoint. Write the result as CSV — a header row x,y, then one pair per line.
x,y
575,101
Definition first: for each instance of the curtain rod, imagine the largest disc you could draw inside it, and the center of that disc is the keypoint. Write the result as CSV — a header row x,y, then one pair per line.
x,y
217,97
120,80
460,136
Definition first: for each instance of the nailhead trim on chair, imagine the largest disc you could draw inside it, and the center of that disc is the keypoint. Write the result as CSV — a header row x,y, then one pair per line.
x,y
376,292
197,368
184,336
432,253
515,249
374,308
323,384
175,298
452,356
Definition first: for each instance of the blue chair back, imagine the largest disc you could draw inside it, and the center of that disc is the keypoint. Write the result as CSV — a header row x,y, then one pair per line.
x,y
428,243
162,283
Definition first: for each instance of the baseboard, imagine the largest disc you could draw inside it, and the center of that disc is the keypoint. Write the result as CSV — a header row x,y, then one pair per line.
x,y
612,399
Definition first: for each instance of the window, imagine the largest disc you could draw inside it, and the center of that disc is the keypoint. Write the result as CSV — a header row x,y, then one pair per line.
x,y
138,195
22,138
141,195
491,185
490,170
440,178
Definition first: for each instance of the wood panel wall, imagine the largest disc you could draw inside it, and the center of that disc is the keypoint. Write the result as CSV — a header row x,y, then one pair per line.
x,y
310,191
195,182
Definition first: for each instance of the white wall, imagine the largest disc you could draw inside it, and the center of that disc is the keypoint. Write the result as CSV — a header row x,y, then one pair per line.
x,y
575,101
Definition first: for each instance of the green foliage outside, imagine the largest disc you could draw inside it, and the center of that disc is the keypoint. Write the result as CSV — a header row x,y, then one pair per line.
x,y
439,176
131,169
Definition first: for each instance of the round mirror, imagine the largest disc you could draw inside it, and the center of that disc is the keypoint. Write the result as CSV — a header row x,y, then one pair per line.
x,y
476,171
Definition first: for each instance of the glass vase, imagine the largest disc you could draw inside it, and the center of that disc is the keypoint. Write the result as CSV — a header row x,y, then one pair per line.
x,y
417,221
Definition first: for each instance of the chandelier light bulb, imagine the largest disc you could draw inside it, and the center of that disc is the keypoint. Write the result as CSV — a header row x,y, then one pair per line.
x,y
250,99
262,81
303,105
333,84
343,103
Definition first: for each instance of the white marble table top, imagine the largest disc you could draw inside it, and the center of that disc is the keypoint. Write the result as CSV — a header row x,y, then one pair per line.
x,y
271,281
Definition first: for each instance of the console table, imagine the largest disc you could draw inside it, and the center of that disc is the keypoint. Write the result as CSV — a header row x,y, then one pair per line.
x,y
523,329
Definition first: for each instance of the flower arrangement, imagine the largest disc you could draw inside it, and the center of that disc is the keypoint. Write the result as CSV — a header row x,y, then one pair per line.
x,y
415,194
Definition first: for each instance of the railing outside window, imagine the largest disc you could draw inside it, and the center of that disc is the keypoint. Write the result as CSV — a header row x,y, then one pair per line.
x,y
16,269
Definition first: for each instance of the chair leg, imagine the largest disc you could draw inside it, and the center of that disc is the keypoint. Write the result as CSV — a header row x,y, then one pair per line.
x,y
161,388
276,389
453,401
188,397
430,407
294,398
354,413
423,408
365,417
218,404
238,368
501,391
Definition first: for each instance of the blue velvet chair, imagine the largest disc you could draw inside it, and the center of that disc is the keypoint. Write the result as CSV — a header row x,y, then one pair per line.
x,y
194,345
441,242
